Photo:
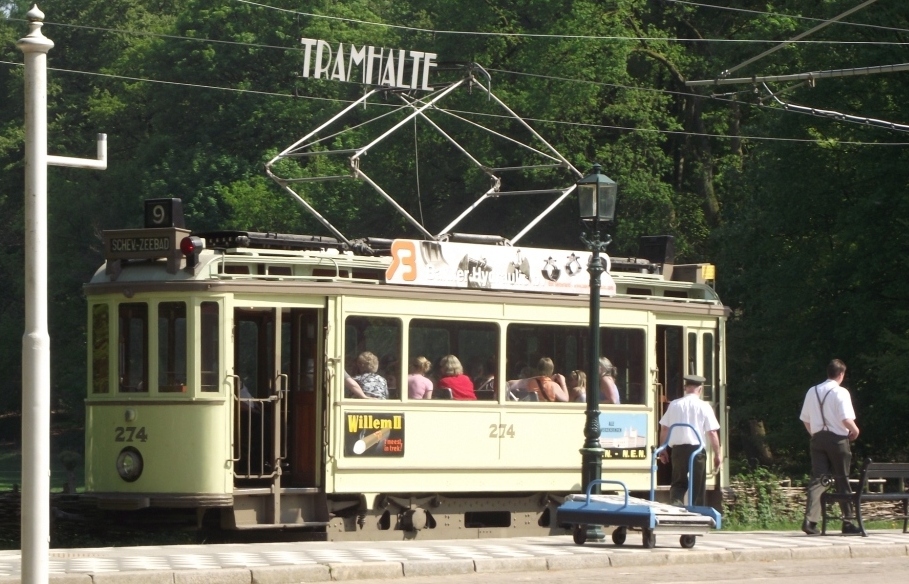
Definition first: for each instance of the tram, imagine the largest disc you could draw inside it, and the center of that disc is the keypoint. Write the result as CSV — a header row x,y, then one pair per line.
x,y
218,361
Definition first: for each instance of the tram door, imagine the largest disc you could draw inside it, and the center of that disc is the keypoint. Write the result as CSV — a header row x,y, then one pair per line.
x,y
276,415
670,370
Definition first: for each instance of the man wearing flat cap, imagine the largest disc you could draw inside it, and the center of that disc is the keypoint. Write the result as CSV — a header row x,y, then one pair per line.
x,y
683,441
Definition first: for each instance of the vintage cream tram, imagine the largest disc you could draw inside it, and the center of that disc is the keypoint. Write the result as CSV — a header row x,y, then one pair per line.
x,y
217,365
216,383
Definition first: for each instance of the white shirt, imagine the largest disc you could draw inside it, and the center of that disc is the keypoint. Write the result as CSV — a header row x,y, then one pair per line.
x,y
837,407
689,409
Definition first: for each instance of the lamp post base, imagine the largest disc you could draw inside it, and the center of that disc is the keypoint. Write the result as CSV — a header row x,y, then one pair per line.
x,y
591,470
591,467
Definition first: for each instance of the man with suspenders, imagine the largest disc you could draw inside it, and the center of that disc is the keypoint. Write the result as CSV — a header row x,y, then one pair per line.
x,y
830,419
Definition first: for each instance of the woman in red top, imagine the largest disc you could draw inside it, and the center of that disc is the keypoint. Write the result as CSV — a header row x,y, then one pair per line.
x,y
452,377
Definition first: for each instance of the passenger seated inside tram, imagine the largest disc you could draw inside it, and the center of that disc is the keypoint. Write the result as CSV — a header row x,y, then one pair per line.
x,y
370,384
577,386
451,376
486,376
388,368
550,387
609,392
418,385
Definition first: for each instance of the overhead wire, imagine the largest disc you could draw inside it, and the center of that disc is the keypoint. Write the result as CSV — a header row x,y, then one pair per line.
x,y
275,94
50,23
784,15
796,38
536,120
544,36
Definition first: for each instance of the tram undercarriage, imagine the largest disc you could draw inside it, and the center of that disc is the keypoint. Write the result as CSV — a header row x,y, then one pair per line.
x,y
395,516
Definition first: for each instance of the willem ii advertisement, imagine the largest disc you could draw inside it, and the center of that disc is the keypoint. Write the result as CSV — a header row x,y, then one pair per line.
x,y
367,64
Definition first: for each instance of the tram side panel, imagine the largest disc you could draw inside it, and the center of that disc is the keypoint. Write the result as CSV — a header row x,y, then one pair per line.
x,y
179,448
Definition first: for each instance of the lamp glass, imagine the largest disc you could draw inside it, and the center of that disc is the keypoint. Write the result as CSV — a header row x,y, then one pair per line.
x,y
606,192
587,200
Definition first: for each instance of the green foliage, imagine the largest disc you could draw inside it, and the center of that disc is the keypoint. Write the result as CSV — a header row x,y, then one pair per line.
x,y
759,502
808,230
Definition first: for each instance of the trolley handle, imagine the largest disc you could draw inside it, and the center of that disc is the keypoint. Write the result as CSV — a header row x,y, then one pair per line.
x,y
604,482
656,454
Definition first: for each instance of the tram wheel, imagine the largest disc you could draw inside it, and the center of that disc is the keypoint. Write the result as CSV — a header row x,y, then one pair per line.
x,y
649,538
579,534
687,541
619,535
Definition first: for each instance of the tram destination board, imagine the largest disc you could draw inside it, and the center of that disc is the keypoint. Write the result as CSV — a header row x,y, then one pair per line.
x,y
136,244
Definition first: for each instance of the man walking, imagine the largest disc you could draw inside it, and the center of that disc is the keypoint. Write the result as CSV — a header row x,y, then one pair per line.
x,y
683,441
830,419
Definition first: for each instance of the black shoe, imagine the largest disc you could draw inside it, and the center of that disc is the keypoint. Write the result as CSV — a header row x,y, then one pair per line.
x,y
810,527
850,529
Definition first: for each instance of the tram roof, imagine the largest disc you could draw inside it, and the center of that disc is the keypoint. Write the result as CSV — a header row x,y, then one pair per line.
x,y
256,258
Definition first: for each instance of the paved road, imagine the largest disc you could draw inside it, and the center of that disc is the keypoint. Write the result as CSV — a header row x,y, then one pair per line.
x,y
294,562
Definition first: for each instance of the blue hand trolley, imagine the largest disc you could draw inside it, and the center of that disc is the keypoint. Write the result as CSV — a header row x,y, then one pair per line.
x,y
624,512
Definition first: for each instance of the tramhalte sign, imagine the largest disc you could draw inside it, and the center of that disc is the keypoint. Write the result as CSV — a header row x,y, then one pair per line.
x,y
377,65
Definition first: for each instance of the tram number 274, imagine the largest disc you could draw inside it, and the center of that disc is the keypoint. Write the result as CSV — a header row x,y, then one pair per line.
x,y
130,434
501,430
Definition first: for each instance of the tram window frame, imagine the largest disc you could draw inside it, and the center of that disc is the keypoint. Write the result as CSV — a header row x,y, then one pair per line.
x,y
709,361
209,346
673,364
569,346
380,336
472,342
100,356
133,346
172,347
692,353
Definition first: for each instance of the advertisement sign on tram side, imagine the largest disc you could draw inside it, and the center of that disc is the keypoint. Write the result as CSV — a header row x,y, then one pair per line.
x,y
373,435
466,265
623,436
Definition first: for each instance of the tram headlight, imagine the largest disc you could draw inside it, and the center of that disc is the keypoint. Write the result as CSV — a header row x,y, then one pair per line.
x,y
129,464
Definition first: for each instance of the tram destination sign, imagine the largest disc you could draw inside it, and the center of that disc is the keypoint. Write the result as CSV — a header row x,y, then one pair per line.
x,y
142,244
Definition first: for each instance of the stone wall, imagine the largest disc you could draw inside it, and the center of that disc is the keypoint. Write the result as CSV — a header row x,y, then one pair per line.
x,y
788,503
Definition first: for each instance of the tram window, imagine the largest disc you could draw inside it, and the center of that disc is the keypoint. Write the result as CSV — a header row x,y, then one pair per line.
x,y
568,347
100,349
210,338
475,344
248,354
626,348
692,354
171,347
133,354
707,391
673,362
382,338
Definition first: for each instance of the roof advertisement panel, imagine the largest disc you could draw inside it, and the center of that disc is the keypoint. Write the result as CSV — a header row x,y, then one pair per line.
x,y
466,265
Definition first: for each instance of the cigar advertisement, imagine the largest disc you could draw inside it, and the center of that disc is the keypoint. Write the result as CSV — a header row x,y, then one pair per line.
x,y
373,435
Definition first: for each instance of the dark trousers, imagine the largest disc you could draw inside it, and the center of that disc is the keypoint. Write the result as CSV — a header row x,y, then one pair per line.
x,y
830,457
681,455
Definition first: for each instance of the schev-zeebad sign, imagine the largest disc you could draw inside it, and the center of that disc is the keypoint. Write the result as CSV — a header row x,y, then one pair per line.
x,y
377,65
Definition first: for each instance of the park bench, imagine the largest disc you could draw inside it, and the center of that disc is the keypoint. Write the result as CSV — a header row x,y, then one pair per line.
x,y
874,473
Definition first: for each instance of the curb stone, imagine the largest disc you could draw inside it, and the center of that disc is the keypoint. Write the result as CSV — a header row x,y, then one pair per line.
x,y
366,570
288,574
414,568
482,565
209,576
761,555
578,562
876,551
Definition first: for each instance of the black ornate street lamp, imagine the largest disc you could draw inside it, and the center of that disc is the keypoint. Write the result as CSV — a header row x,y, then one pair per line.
x,y
596,198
